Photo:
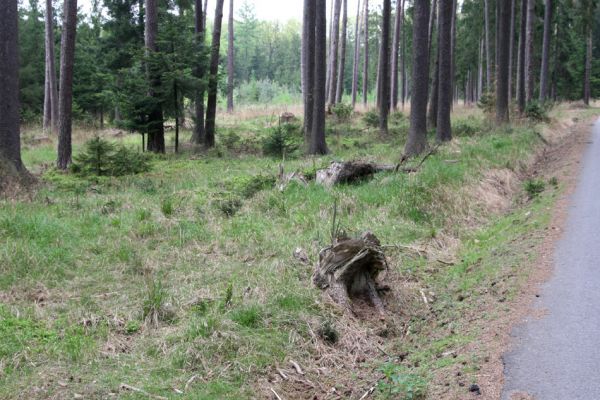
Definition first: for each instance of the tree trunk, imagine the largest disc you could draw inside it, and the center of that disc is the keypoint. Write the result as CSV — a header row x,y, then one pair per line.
x,y
432,25
335,47
317,140
329,52
587,89
395,53
521,95
213,78
488,62
444,127
453,49
511,51
529,38
199,30
65,101
342,61
433,98
51,90
417,136
10,142
384,68
156,129
546,51
365,88
230,55
205,14
503,50
308,43
356,56
403,60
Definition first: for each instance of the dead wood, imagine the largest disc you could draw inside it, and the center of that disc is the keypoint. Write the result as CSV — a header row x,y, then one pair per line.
x,y
350,172
349,269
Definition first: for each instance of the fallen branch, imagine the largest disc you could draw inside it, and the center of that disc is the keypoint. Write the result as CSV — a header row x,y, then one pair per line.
x,y
141,391
367,393
275,393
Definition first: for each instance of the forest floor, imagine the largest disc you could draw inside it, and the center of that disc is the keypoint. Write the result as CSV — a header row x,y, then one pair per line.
x,y
205,244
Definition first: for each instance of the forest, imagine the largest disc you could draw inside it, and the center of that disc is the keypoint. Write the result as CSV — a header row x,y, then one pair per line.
x,y
197,202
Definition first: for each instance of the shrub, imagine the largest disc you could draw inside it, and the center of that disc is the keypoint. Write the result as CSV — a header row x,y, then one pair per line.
x,y
401,384
343,112
466,127
228,206
102,158
487,103
230,140
167,207
534,187
328,332
536,112
397,117
248,186
371,119
281,140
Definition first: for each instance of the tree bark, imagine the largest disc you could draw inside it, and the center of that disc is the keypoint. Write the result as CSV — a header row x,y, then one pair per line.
x,y
384,68
51,90
213,79
10,142
521,93
511,51
503,50
199,30
529,38
339,93
546,51
308,43
488,62
432,24
587,88
356,56
444,127
479,91
205,14
65,101
365,88
453,49
335,48
403,59
317,142
396,53
156,129
417,136
230,55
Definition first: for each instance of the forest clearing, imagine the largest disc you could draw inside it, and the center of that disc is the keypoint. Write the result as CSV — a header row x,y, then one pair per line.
x,y
342,200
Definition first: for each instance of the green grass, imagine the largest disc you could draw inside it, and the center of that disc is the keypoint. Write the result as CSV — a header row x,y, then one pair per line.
x,y
212,237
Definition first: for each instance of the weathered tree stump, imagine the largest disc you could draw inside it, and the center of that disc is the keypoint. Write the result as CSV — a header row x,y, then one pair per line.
x,y
349,269
349,172
287,118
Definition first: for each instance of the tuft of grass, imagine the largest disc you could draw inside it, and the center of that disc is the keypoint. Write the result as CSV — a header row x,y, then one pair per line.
x,y
249,316
534,187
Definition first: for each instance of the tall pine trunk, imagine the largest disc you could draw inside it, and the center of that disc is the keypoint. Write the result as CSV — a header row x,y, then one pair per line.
x,y
213,78
339,93
10,142
417,135
199,70
502,68
546,51
308,59
51,89
365,88
488,61
521,93
230,55
384,68
317,139
403,60
396,53
335,48
65,101
511,50
156,129
529,38
453,50
356,56
445,92
587,88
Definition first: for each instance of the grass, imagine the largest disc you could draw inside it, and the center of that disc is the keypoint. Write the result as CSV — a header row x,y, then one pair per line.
x,y
212,238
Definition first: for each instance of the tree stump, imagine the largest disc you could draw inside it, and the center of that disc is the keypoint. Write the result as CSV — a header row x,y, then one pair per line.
x,y
349,268
349,172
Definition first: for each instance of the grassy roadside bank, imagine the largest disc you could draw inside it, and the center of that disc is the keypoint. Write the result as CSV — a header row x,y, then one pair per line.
x,y
181,281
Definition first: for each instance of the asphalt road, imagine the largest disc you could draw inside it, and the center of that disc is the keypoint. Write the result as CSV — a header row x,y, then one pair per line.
x,y
557,357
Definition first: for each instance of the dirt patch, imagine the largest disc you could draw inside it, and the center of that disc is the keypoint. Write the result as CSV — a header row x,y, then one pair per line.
x,y
560,161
